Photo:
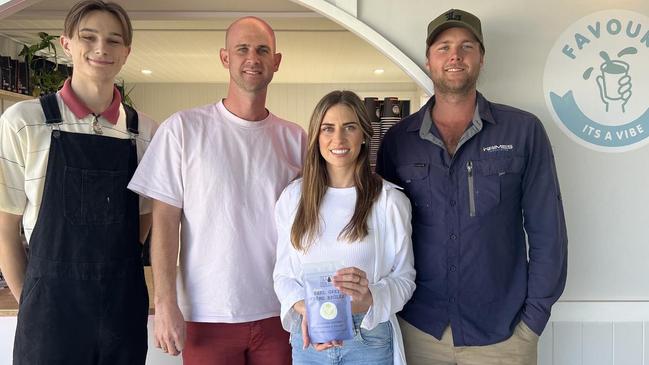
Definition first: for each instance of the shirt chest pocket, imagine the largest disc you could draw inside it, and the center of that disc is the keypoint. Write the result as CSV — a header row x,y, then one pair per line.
x,y
490,181
95,196
415,179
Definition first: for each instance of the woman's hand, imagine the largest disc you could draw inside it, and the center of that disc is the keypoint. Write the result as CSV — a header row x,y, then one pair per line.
x,y
353,282
300,307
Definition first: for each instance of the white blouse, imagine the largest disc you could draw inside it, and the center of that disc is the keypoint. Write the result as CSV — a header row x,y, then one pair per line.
x,y
385,254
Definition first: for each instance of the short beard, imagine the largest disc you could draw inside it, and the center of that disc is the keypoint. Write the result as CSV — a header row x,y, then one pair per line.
x,y
466,88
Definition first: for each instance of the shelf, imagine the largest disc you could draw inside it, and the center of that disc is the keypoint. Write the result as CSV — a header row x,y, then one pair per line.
x,y
8,305
8,95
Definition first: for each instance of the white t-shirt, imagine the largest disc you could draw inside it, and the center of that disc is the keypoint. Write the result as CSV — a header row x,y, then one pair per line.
x,y
226,174
24,153
385,254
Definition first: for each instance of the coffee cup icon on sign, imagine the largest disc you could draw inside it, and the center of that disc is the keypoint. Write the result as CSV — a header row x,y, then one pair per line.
x,y
614,81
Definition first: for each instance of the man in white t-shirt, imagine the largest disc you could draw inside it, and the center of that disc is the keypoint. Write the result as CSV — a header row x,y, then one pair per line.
x,y
219,169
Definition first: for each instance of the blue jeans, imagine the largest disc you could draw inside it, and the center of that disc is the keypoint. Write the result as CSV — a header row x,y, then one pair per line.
x,y
367,347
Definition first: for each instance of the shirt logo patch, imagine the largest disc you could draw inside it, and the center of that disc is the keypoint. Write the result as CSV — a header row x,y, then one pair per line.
x,y
498,147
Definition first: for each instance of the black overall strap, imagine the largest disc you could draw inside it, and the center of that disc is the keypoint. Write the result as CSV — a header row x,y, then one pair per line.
x,y
51,108
131,119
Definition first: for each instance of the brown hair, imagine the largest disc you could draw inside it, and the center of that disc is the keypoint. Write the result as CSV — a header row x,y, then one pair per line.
x,y
83,8
306,225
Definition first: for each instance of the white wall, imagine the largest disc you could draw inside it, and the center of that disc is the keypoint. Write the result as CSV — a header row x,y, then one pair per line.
x,y
293,102
7,331
594,343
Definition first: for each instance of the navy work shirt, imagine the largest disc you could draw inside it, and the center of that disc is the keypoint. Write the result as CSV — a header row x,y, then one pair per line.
x,y
471,214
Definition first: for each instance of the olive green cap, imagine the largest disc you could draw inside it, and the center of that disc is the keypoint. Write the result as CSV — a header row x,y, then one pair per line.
x,y
455,18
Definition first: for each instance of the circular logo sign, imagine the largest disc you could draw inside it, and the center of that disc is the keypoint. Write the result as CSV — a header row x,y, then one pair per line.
x,y
596,81
328,310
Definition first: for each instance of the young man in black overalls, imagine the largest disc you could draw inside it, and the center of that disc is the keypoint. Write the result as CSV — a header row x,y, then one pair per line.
x,y
66,161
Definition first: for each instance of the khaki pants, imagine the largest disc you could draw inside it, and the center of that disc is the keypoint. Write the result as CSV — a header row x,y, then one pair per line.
x,y
422,348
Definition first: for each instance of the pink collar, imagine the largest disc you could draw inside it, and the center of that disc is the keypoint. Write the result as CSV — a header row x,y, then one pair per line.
x,y
80,109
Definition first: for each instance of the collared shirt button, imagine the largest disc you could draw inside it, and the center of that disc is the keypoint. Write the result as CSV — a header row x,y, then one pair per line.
x,y
452,268
451,299
452,203
453,236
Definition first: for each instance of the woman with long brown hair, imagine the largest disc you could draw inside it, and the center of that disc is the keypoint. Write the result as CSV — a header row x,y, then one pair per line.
x,y
340,211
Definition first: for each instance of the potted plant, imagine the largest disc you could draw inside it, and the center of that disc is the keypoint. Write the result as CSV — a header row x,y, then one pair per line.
x,y
45,76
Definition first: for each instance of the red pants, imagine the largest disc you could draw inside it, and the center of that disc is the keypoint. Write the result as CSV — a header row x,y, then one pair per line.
x,y
262,342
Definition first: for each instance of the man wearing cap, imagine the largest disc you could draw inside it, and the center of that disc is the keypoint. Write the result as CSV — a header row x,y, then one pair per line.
x,y
481,178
